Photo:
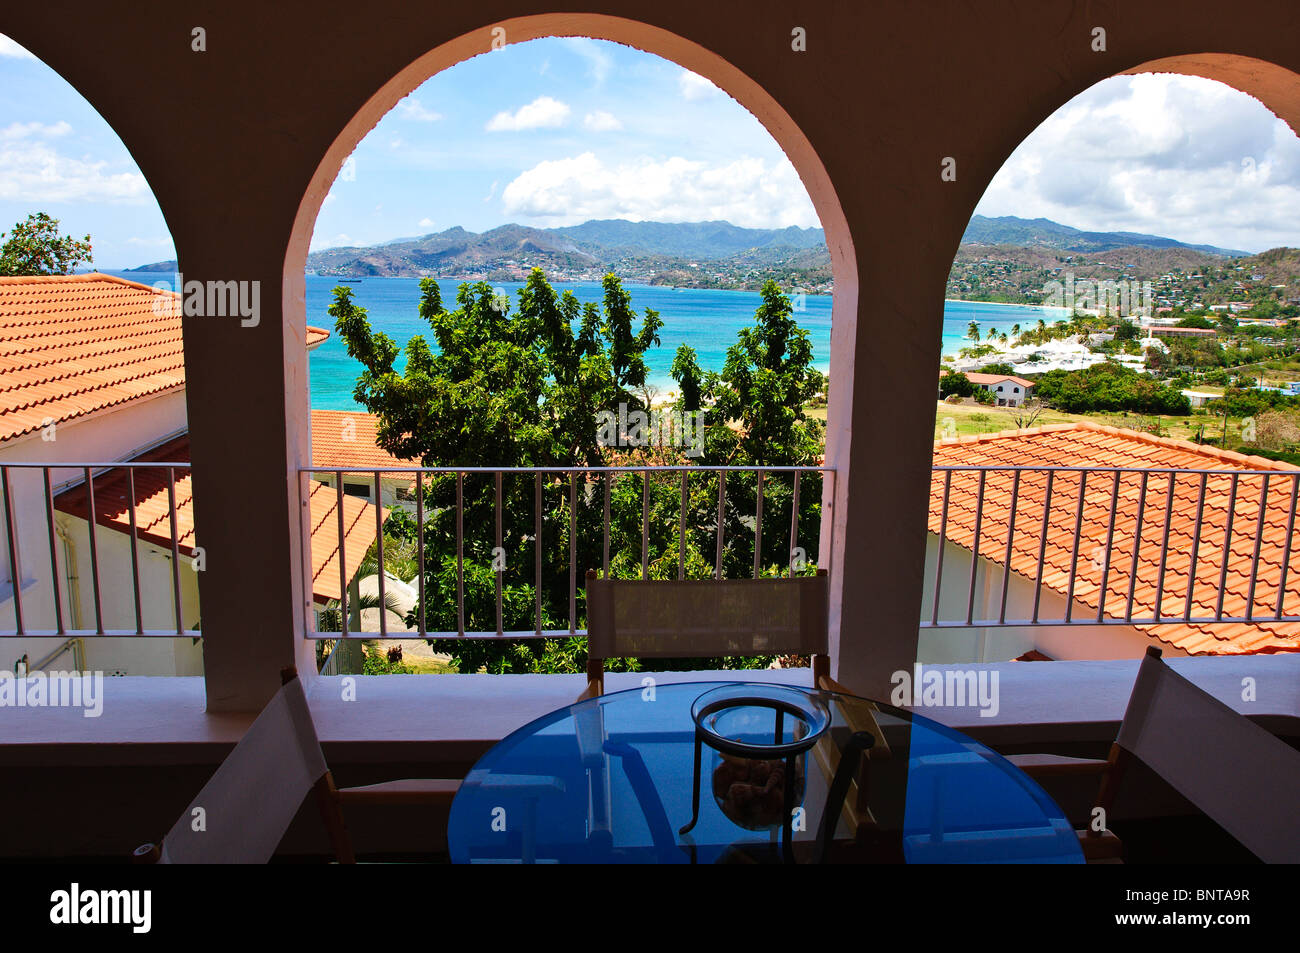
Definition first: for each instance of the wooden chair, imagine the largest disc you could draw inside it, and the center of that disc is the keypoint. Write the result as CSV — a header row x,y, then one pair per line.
x,y
249,802
719,617
1238,774
705,618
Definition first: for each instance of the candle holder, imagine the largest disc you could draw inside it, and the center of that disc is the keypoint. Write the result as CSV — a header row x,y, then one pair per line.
x,y
759,736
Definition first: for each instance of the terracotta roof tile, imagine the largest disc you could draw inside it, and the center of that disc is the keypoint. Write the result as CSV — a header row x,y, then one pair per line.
x,y
343,439
71,345
1107,549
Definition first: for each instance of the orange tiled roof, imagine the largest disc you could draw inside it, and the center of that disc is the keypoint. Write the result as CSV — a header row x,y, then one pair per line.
x,y
153,523
977,378
342,439
1086,444
71,345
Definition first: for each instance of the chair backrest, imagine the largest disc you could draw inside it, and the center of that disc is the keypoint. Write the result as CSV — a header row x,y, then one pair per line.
x,y
705,618
243,811
1234,771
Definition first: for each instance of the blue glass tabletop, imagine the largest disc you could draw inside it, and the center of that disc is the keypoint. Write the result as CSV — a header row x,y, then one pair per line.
x,y
718,772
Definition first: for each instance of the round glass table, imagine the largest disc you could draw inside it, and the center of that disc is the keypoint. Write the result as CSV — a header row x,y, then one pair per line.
x,y
745,772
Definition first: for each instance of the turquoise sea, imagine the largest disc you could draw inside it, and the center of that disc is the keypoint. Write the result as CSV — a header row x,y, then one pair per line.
x,y
707,320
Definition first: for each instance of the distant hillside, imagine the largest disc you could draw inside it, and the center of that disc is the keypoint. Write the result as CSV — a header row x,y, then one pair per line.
x,y
694,254
1000,259
1009,230
169,265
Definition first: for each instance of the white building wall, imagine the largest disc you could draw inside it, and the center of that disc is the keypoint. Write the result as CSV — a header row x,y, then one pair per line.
x,y
109,436
1002,643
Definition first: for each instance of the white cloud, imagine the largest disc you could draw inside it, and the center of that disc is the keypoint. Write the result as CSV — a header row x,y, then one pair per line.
x,y
1177,156
492,191
599,62
426,222
694,86
25,130
415,110
9,48
601,121
33,172
542,113
746,191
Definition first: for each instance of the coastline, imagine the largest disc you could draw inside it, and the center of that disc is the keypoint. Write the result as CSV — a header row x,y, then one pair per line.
x,y
1008,304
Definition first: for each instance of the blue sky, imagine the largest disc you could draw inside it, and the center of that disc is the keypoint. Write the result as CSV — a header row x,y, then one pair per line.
x,y
559,131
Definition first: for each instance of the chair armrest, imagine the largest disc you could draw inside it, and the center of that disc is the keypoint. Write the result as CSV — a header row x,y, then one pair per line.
x,y
594,689
435,791
1056,765
859,717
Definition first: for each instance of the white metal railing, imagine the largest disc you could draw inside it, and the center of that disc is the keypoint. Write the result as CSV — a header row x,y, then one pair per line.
x,y
1113,545
587,481
55,591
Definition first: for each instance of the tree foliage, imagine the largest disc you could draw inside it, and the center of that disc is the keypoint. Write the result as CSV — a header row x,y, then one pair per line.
x,y
524,386
35,247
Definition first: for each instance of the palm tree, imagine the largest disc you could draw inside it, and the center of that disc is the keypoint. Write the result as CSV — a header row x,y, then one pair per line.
x,y
973,332
1015,330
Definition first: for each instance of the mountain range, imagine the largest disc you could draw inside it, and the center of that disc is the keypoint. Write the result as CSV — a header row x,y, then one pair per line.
x,y
693,254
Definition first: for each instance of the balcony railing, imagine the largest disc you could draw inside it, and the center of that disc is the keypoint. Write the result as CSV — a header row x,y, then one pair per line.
x,y
1008,545
569,520
134,503
1059,545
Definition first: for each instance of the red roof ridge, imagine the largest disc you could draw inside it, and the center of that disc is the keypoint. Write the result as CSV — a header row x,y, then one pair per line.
x,y
86,276
1247,461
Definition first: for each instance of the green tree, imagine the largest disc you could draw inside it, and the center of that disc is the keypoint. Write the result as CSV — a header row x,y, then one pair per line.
x,y
35,247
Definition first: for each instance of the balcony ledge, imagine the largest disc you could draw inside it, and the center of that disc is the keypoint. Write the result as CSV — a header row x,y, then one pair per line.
x,y
454,718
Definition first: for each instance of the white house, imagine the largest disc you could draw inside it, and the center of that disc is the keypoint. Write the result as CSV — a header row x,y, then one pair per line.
x,y
92,371
1007,389
1102,561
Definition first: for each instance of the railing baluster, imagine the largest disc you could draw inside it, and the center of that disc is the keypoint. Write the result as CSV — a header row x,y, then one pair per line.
x,y
943,543
94,552
975,548
379,552
176,549
645,524
1011,531
758,526
1196,549
681,533
1137,547
573,553
499,554
1259,538
722,515
1042,542
419,546
1286,546
343,571
537,550
15,572
794,521
1078,541
135,551
1227,546
54,558
605,559
1110,542
1164,546
460,554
